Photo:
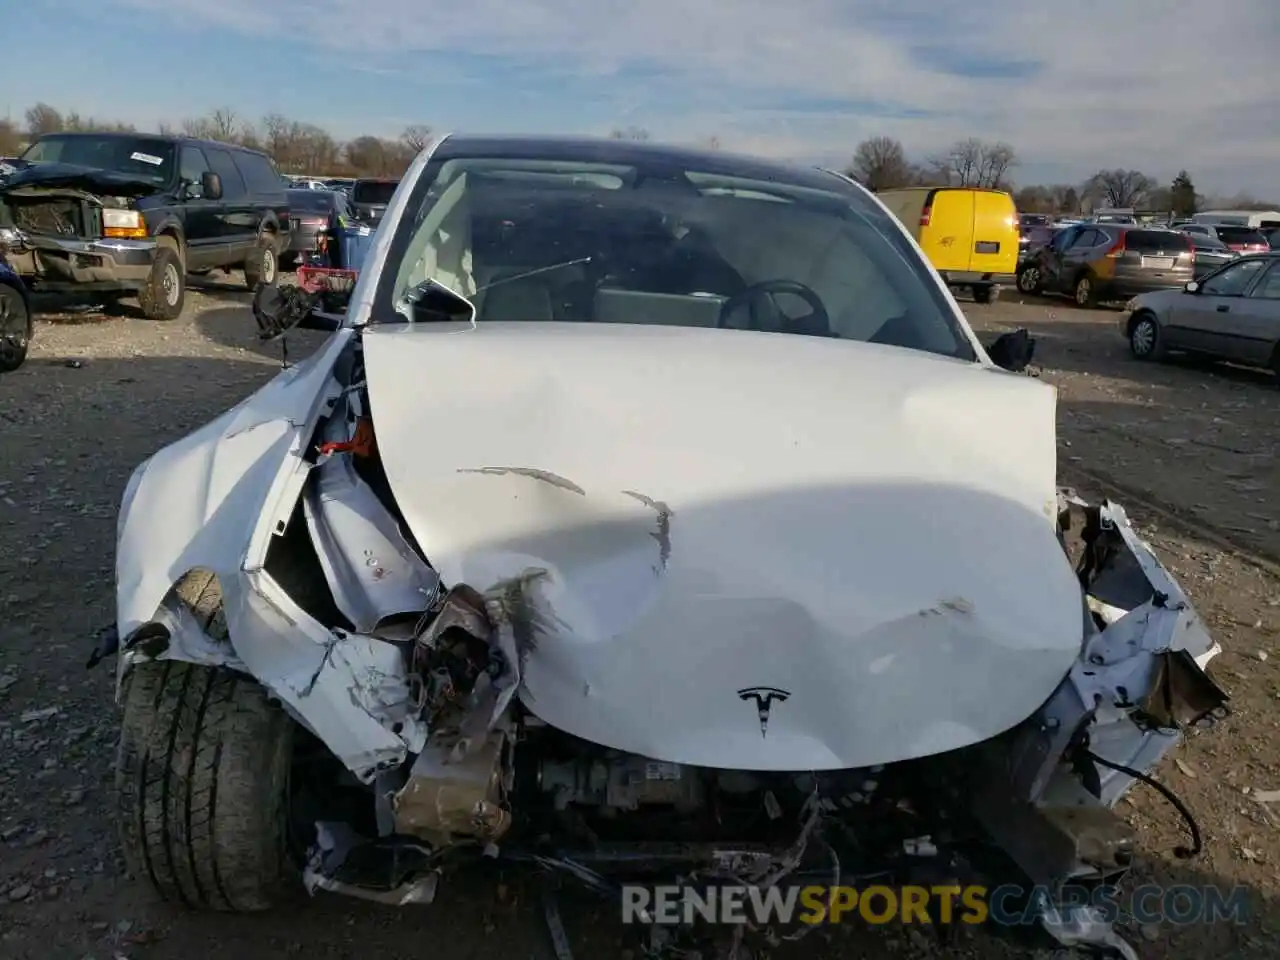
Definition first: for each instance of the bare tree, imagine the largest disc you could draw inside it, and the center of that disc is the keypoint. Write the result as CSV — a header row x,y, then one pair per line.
x,y
42,119
10,138
1066,199
1118,188
880,163
222,124
416,136
198,128
995,162
976,163
629,133
1034,199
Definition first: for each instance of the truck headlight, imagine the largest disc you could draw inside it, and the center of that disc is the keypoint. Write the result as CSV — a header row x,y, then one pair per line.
x,y
123,224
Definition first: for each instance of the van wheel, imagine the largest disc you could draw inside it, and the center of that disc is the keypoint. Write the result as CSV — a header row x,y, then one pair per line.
x,y
1086,293
202,778
263,265
165,293
986,293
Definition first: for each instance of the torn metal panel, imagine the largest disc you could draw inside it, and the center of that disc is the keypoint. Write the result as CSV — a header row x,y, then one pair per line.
x,y
676,540
372,571
1082,925
455,790
393,873
351,691
185,639
1139,681
212,487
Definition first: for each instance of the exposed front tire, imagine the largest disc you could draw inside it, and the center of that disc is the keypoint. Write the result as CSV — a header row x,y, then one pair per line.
x,y
1145,341
166,291
15,329
986,293
263,264
202,780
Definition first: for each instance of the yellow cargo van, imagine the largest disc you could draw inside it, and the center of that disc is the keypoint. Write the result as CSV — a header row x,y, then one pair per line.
x,y
969,235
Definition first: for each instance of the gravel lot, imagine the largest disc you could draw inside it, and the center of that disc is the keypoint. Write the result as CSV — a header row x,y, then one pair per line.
x,y
1191,450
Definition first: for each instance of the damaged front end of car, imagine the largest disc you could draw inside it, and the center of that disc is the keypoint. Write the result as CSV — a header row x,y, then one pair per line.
x,y
68,228
421,751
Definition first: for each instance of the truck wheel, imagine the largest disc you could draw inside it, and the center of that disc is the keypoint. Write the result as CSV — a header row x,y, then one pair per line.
x,y
263,263
15,329
202,781
985,293
166,290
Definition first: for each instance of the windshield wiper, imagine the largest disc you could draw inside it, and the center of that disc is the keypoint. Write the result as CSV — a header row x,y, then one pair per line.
x,y
534,273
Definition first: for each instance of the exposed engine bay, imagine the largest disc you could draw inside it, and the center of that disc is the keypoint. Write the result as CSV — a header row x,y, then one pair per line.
x,y
421,754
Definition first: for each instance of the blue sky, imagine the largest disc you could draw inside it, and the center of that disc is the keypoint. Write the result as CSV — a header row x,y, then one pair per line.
x,y
1151,84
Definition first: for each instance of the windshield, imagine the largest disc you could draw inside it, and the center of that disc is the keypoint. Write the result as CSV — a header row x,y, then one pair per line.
x,y
311,201
373,191
594,242
141,157
1241,235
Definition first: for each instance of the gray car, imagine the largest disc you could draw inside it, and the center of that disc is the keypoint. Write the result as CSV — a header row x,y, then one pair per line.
x,y
369,198
1210,255
1093,262
1233,314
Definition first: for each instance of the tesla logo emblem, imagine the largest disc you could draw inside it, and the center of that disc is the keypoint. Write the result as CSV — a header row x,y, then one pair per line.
x,y
764,698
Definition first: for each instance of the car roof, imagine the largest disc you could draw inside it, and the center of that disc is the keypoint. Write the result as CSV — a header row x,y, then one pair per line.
x,y
630,153
172,138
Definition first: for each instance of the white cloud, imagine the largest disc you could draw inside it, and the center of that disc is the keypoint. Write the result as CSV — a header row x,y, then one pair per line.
x,y
1152,84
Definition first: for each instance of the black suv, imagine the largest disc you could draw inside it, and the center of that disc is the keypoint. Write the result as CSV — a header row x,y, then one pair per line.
x,y
117,214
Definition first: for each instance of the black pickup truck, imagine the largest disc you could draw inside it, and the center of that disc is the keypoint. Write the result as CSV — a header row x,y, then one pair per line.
x,y
112,215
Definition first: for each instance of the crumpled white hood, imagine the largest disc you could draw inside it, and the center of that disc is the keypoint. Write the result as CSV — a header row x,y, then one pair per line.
x,y
867,529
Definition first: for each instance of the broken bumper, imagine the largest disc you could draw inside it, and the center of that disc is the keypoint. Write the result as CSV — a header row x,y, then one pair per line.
x,y
52,264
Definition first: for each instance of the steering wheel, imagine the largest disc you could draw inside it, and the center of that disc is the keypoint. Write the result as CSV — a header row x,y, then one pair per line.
x,y
816,323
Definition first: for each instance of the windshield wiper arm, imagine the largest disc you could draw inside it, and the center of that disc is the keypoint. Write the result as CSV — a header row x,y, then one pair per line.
x,y
534,273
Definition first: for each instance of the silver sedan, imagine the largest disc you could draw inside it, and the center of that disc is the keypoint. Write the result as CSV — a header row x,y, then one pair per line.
x,y
1231,314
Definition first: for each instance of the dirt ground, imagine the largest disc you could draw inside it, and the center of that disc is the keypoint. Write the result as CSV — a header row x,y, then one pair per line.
x,y
1190,450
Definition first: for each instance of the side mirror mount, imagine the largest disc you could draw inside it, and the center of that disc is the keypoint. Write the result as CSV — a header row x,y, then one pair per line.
x,y
1013,351
1192,287
210,185
433,302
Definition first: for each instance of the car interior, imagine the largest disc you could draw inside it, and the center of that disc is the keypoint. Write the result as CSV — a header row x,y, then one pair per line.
x,y
671,252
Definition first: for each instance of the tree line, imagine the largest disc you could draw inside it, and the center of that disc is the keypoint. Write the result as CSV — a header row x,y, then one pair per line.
x,y
879,163
296,147
882,163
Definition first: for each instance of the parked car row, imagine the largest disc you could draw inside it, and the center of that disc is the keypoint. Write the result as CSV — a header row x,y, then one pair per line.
x,y
107,216
1075,259
1093,262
